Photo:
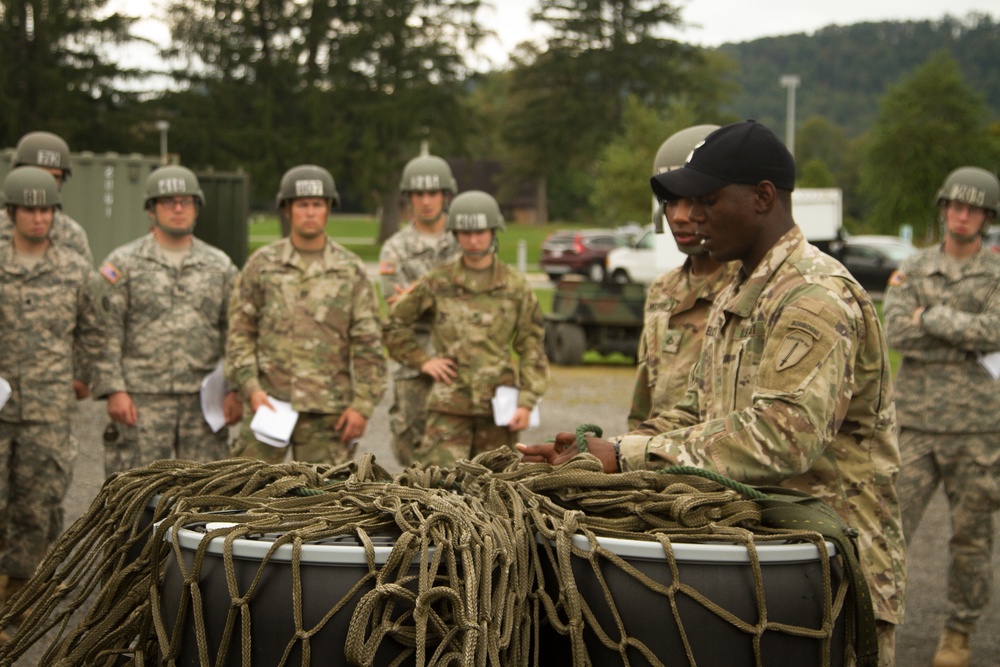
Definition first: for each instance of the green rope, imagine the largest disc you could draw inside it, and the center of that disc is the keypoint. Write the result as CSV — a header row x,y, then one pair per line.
x,y
581,435
744,490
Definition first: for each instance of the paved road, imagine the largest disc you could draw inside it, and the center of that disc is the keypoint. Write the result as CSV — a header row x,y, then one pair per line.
x,y
600,394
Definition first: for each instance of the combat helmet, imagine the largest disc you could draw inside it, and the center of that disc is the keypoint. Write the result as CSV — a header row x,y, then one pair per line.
x,y
307,180
473,211
31,186
42,149
973,186
672,154
172,181
427,172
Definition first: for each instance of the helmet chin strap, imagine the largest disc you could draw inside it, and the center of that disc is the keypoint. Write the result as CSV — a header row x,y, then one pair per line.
x,y
171,231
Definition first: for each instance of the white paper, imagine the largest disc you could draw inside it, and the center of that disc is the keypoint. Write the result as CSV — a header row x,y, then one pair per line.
x,y
274,427
213,393
4,392
505,405
991,364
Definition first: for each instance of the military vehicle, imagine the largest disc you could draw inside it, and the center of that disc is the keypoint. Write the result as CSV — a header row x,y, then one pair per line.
x,y
604,317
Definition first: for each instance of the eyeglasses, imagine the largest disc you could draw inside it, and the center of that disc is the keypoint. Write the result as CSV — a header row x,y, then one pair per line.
x,y
174,202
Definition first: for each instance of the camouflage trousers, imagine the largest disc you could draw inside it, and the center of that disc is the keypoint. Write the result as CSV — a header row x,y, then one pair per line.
x,y
408,415
315,439
968,465
36,468
449,438
171,426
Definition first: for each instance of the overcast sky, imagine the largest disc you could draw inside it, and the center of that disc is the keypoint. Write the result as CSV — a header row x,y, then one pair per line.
x,y
710,22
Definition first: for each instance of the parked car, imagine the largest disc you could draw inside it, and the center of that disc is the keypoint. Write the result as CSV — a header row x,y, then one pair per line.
x,y
871,259
642,261
581,252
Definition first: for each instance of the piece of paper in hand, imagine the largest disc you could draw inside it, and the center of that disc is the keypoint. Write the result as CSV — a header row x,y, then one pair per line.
x,y
274,427
991,364
213,393
505,405
5,392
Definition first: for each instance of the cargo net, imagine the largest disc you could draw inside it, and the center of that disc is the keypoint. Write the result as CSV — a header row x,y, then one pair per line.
x,y
483,569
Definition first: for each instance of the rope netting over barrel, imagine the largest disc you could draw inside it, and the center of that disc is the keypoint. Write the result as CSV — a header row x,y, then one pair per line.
x,y
479,565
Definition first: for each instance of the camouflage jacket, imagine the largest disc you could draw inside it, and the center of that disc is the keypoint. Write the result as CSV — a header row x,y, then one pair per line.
x,y
44,312
674,326
476,330
940,387
165,327
65,231
309,335
407,256
794,388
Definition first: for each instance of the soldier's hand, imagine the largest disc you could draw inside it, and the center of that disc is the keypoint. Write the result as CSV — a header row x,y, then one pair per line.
x,y
565,448
519,421
400,291
259,398
441,369
121,409
81,389
232,408
352,425
916,315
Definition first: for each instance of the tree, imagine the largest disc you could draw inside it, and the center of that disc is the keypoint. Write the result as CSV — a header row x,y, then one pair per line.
x,y
930,123
568,99
56,73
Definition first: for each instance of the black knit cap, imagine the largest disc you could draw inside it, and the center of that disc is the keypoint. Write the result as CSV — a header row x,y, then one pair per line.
x,y
745,153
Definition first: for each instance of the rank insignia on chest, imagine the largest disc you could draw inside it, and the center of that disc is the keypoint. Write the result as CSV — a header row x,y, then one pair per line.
x,y
110,272
795,346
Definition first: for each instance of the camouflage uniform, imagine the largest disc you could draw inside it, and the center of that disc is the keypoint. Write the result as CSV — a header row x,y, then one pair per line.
x,y
310,335
165,330
949,410
794,388
44,312
677,305
475,327
405,257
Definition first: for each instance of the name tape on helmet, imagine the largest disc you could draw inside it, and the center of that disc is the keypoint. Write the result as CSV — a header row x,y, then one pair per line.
x,y
471,220
48,158
167,186
34,197
309,188
425,182
967,194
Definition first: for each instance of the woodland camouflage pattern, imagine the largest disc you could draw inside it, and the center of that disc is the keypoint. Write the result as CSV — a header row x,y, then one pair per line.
x,y
475,329
677,305
44,312
165,327
949,410
65,231
794,388
405,257
310,335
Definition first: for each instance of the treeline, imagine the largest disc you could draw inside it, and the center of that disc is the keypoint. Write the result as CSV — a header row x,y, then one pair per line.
x,y
569,129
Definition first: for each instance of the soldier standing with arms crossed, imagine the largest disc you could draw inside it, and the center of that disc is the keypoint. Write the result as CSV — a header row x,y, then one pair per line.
x,y
942,310
305,328
677,303
479,308
46,307
165,317
409,254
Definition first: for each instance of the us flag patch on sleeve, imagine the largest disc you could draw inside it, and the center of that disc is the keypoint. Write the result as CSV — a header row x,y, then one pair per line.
x,y
110,273
387,268
897,278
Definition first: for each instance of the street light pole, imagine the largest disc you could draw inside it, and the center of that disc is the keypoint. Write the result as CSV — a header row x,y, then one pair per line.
x,y
790,82
163,126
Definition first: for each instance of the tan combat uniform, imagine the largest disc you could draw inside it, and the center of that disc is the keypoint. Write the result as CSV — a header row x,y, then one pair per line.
x,y
477,318
44,312
794,388
165,330
307,334
405,257
949,410
677,305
